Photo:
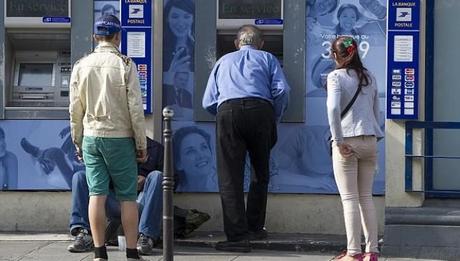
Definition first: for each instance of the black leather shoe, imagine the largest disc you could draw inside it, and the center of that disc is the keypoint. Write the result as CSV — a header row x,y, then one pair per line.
x,y
234,246
258,235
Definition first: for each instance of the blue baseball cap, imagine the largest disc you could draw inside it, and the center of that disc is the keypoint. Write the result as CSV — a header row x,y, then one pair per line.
x,y
107,25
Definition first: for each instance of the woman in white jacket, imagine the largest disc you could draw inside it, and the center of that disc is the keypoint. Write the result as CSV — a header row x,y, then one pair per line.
x,y
355,131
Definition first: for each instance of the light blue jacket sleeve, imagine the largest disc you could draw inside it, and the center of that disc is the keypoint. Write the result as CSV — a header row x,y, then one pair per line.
x,y
279,88
211,94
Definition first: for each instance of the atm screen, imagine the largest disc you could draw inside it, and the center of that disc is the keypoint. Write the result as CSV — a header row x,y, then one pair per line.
x,y
35,74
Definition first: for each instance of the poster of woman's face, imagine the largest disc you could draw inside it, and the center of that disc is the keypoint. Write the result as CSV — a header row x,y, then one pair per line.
x,y
105,7
178,35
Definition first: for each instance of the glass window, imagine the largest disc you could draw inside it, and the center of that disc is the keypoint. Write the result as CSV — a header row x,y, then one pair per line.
x,y
446,93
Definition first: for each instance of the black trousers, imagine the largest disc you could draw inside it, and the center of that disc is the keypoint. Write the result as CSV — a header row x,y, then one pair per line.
x,y
244,125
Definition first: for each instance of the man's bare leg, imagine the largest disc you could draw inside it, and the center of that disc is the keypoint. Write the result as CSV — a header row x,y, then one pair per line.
x,y
130,221
97,219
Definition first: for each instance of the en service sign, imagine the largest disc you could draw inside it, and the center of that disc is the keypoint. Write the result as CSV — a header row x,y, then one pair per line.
x,y
403,59
37,8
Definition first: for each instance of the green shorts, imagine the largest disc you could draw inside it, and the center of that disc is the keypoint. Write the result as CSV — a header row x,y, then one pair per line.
x,y
111,159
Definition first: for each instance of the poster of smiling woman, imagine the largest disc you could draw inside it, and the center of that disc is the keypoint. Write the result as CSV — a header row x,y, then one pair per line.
x,y
365,20
178,56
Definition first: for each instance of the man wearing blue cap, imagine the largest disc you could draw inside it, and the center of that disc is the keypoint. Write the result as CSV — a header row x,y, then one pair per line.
x,y
108,130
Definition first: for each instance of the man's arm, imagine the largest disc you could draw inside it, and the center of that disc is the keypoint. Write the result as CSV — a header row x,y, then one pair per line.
x,y
136,110
279,88
76,109
211,94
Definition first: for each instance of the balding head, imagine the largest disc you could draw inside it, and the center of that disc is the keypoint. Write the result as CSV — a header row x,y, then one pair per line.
x,y
249,35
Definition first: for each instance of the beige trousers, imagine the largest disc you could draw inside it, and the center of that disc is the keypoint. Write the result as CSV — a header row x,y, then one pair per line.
x,y
354,177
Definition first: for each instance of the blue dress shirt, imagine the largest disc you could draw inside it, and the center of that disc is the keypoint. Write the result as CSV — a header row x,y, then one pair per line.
x,y
247,73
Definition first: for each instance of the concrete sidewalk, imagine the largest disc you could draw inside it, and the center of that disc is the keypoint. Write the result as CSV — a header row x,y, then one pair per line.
x,y
53,247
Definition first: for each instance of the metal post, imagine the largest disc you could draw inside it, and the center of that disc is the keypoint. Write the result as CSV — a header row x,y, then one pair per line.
x,y
168,187
157,66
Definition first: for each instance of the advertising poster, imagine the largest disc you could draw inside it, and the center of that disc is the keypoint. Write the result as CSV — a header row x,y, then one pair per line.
x,y
37,155
106,7
300,161
365,20
178,57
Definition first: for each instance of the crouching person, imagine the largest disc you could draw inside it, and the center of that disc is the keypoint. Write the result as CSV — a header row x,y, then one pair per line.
x,y
150,202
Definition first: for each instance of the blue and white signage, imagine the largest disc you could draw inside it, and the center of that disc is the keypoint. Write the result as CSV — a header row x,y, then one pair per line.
x,y
403,59
136,19
63,19
268,21
136,13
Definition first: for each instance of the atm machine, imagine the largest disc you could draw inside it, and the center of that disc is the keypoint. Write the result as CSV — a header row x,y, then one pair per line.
x,y
216,25
266,14
37,59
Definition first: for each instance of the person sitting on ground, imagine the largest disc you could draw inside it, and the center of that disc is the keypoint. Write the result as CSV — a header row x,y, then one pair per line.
x,y
150,208
149,202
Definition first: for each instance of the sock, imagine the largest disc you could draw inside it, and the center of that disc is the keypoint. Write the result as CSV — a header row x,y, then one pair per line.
x,y
100,252
132,253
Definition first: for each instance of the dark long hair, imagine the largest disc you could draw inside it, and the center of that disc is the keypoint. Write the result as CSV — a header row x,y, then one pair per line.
x,y
346,53
169,39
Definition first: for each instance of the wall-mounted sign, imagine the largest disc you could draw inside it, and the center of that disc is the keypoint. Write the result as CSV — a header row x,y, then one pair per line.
x,y
136,19
37,8
403,59
56,19
268,21
243,9
136,13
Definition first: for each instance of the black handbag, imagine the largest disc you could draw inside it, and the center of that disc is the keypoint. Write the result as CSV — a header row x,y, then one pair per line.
x,y
344,112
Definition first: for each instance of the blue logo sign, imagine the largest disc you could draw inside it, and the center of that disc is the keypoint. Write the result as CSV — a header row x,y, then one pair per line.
x,y
404,14
403,59
268,21
63,19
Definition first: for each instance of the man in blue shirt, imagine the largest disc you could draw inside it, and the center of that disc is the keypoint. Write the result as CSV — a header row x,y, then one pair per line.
x,y
248,93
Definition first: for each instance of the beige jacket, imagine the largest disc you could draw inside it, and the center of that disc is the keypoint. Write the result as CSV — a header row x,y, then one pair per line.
x,y
105,97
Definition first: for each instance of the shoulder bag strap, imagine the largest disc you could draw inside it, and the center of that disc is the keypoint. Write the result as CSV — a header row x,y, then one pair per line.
x,y
344,112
